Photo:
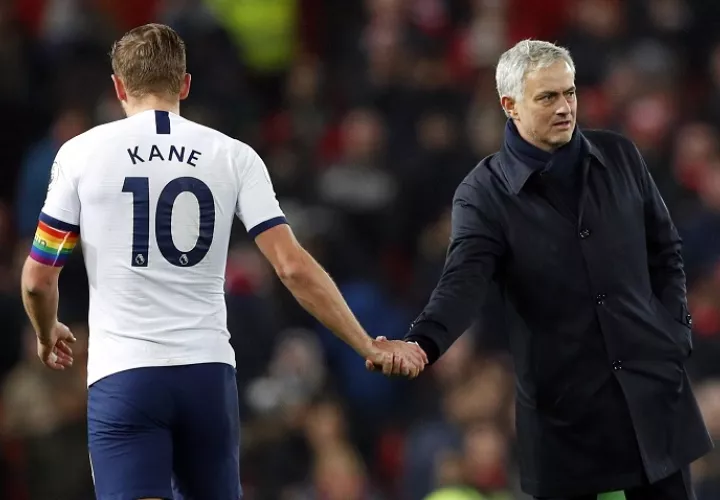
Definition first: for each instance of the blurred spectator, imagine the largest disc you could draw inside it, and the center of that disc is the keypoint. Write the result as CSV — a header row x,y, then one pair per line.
x,y
359,185
296,376
35,171
339,475
45,411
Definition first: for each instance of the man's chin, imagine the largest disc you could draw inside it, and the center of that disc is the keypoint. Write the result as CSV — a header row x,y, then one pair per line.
x,y
558,140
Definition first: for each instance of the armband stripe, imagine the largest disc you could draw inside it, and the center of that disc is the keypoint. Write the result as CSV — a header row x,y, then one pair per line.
x,y
51,245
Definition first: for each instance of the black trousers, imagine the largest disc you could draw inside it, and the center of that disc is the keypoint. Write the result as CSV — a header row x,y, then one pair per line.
x,y
675,487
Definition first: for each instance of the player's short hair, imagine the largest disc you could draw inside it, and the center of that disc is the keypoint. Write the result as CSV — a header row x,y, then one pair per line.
x,y
150,59
526,56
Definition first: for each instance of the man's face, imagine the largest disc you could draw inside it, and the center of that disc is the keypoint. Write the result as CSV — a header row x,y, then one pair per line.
x,y
545,116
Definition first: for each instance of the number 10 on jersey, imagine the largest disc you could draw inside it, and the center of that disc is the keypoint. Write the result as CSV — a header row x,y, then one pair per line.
x,y
139,187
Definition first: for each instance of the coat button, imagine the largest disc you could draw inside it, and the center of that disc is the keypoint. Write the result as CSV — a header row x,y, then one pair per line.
x,y
617,365
584,233
688,319
600,298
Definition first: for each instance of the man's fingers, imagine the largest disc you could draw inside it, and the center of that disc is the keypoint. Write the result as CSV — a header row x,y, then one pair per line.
x,y
414,369
420,365
388,364
401,367
65,360
62,358
399,364
54,358
64,348
408,367
51,361
421,354
415,358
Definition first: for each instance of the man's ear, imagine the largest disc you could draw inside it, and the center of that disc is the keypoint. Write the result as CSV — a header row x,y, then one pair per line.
x,y
509,107
185,89
120,90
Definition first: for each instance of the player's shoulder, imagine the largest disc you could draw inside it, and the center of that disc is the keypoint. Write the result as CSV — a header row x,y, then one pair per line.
x,y
205,132
86,143
202,129
238,148
84,139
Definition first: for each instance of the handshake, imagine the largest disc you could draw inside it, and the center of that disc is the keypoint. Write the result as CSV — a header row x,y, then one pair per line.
x,y
396,357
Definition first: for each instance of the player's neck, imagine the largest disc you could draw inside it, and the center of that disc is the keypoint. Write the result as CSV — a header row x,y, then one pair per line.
x,y
135,106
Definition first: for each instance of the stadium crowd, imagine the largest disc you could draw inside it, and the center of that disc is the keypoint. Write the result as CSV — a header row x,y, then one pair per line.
x,y
368,114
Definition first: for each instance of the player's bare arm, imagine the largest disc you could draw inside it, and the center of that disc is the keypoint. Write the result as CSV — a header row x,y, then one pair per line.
x,y
315,290
40,298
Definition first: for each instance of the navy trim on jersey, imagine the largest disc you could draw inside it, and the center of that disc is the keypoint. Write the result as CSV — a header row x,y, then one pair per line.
x,y
162,122
268,224
58,224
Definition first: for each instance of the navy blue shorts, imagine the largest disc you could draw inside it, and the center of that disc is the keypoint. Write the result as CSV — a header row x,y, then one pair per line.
x,y
170,432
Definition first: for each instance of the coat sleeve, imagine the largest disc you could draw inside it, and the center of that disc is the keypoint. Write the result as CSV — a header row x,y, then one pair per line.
x,y
664,247
476,245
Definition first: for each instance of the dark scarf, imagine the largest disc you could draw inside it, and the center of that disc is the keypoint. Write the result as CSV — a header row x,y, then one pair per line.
x,y
563,165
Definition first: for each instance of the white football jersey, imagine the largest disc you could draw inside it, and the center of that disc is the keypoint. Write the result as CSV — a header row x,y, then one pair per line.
x,y
153,197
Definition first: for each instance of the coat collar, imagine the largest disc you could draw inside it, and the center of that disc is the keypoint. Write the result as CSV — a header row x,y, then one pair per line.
x,y
517,171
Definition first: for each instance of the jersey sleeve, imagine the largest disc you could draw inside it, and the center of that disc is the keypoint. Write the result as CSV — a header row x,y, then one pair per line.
x,y
58,227
257,205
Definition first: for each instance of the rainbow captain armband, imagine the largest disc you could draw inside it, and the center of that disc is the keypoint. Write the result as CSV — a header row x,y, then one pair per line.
x,y
54,241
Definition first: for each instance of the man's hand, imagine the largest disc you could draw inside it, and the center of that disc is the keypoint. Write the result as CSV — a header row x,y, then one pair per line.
x,y
56,353
396,357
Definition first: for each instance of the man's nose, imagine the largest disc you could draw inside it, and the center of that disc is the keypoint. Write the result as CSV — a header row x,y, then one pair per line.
x,y
563,108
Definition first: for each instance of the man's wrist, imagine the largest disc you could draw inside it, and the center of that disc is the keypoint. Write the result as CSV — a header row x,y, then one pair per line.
x,y
428,346
44,335
44,338
365,348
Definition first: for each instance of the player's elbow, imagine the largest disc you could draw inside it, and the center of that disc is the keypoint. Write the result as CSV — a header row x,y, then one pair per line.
x,y
289,259
37,281
291,272
294,268
36,288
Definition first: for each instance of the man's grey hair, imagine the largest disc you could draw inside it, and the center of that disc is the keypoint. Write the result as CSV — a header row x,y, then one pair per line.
x,y
523,58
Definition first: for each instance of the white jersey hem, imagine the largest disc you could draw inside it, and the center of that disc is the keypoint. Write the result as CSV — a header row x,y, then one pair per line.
x,y
97,375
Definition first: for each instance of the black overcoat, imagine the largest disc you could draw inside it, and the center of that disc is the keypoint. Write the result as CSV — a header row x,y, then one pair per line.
x,y
599,324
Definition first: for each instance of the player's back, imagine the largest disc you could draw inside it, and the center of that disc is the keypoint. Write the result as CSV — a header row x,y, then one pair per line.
x,y
158,194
